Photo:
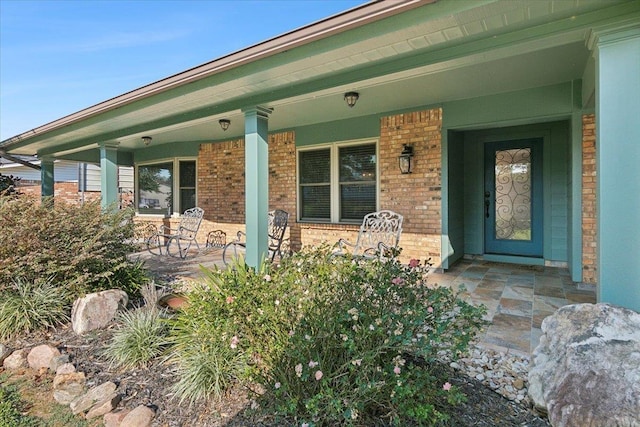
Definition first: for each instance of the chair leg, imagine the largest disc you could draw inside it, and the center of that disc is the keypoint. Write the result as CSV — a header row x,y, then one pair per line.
x,y
155,244
177,247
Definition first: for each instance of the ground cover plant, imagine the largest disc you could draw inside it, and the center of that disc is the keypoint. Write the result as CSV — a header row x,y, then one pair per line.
x,y
330,340
64,251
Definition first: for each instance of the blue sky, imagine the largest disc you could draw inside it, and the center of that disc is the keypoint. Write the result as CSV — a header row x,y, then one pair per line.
x,y
58,57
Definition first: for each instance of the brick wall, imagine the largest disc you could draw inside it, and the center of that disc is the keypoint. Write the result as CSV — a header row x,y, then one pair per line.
x,y
67,191
221,183
589,230
416,196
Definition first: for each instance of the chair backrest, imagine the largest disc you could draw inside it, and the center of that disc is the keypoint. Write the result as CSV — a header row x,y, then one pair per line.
x,y
190,223
278,220
379,227
216,239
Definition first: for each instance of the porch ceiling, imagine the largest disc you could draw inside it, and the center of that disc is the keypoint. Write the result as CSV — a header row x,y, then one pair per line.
x,y
426,55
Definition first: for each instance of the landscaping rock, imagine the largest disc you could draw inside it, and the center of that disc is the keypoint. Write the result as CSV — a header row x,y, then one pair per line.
x,y
41,356
586,369
16,360
4,352
141,416
97,310
67,387
87,400
104,406
66,368
114,418
58,361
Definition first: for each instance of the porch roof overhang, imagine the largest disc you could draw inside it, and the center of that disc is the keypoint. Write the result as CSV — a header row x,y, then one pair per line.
x,y
397,54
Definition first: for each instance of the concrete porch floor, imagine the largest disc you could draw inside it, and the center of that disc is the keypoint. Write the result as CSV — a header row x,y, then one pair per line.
x,y
517,297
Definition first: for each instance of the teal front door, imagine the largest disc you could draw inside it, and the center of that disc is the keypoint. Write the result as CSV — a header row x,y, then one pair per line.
x,y
513,197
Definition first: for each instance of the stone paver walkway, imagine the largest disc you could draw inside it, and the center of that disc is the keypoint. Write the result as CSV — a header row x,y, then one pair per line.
x,y
517,297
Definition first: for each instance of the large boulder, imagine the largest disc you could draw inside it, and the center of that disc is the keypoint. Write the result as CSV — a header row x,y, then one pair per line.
x,y
586,369
97,310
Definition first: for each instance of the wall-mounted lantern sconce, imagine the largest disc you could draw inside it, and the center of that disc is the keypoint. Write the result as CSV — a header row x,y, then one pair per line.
x,y
351,98
224,123
146,140
404,159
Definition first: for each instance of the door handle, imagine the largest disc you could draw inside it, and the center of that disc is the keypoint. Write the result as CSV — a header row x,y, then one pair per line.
x,y
487,203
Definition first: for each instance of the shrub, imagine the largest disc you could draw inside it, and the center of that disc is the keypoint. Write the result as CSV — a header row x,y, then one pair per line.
x,y
141,335
8,185
27,306
83,248
333,341
367,349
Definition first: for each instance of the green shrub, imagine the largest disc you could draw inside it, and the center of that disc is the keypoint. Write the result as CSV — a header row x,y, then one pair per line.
x,y
12,406
334,341
82,247
141,335
26,306
367,349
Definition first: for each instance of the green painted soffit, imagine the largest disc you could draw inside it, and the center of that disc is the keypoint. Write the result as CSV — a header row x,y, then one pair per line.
x,y
453,51
93,156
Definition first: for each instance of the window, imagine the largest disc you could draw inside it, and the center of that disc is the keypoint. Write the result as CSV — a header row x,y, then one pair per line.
x,y
156,187
338,183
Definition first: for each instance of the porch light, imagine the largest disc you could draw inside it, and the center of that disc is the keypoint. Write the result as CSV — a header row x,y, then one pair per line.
x,y
146,140
351,98
404,159
224,124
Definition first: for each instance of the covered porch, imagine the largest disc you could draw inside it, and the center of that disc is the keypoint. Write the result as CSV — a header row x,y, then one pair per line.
x,y
246,133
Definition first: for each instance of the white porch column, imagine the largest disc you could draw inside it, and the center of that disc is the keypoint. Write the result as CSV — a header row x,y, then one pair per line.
x,y
618,165
109,173
256,139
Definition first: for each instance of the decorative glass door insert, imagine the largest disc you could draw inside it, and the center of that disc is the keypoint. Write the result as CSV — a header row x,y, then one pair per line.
x,y
513,197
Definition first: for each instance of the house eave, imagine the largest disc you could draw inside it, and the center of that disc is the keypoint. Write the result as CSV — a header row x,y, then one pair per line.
x,y
345,21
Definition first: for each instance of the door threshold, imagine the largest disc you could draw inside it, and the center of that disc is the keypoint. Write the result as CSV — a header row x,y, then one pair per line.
x,y
510,259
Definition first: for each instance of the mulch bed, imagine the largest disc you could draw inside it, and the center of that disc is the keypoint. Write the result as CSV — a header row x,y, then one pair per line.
x,y
152,386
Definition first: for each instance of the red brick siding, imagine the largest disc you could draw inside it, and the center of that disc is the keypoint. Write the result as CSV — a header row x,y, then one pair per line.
x,y
589,229
416,196
67,191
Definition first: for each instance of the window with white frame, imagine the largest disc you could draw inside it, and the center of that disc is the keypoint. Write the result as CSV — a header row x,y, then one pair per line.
x,y
338,182
164,185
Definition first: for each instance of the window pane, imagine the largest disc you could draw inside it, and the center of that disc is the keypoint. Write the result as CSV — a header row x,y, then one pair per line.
x,y
187,198
358,163
315,202
356,200
188,174
155,183
314,167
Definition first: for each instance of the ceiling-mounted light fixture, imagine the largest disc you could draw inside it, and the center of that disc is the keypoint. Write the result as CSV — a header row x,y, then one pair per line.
x,y
351,98
224,123
404,159
146,140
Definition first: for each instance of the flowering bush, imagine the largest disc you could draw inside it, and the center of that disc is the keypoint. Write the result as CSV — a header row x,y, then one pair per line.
x,y
365,349
333,341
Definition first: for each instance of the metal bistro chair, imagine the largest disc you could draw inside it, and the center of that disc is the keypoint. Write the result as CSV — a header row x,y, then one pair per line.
x,y
379,234
278,220
176,243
